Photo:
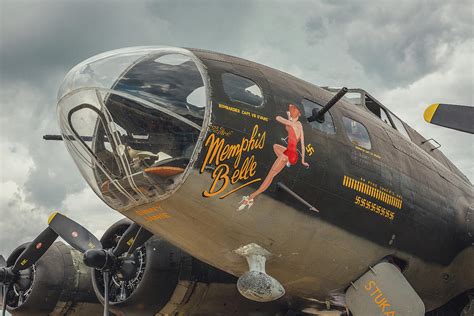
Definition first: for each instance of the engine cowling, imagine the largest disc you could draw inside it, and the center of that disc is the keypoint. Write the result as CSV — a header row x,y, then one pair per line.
x,y
58,284
168,281
149,285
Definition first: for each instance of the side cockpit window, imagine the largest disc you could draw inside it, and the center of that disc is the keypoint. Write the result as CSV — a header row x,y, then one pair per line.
x,y
241,89
386,116
400,127
357,133
327,126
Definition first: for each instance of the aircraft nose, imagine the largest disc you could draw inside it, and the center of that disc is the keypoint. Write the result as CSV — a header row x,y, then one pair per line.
x,y
132,121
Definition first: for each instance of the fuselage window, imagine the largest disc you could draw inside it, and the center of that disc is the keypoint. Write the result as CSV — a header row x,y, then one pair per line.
x,y
242,90
399,126
357,133
327,126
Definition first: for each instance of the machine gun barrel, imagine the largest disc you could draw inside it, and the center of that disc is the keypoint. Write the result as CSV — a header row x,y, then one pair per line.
x,y
319,115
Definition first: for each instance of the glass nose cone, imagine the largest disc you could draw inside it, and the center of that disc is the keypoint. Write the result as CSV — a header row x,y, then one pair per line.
x,y
132,120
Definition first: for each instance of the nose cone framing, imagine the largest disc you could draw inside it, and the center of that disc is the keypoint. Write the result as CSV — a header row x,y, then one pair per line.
x,y
133,120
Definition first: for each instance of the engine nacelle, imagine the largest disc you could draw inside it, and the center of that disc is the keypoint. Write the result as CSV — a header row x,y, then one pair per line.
x,y
152,282
168,281
58,284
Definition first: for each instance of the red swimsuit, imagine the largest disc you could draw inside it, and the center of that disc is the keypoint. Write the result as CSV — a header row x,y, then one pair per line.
x,y
291,151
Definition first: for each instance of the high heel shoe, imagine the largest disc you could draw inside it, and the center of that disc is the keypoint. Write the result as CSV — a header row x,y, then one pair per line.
x,y
246,202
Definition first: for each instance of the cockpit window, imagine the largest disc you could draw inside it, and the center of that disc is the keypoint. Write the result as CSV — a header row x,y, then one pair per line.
x,y
399,125
242,89
327,126
357,133
384,117
374,107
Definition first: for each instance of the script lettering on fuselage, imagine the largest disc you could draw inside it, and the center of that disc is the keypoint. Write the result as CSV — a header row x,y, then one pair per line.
x,y
219,130
230,164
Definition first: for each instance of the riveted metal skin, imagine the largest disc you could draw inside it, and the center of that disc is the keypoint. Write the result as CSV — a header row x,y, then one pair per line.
x,y
397,198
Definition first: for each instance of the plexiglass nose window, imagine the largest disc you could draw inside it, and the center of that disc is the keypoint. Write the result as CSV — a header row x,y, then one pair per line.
x,y
172,80
169,77
128,152
134,142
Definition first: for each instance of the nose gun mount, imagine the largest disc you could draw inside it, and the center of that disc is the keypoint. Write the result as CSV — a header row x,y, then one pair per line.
x,y
256,284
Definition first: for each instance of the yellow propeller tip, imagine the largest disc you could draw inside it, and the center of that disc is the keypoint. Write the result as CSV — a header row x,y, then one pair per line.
x,y
50,219
430,111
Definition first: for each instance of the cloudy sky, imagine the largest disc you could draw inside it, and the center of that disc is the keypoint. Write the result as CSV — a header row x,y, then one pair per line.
x,y
408,54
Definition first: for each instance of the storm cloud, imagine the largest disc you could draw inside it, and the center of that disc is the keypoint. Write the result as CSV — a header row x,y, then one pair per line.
x,y
408,54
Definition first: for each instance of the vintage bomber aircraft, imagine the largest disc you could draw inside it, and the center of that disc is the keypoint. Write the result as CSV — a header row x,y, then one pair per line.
x,y
312,199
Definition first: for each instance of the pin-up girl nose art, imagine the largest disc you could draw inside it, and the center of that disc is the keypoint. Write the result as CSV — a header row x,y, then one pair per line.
x,y
285,156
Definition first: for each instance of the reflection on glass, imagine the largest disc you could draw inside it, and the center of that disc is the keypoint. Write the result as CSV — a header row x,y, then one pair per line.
x,y
135,152
357,133
327,126
167,80
131,121
242,89
384,117
399,126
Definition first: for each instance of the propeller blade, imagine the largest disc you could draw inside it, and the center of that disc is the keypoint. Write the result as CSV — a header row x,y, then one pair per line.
x,y
106,293
458,117
126,240
35,250
76,235
4,303
3,262
142,236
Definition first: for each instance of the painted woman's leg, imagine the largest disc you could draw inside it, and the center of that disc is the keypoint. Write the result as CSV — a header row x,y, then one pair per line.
x,y
277,166
278,149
